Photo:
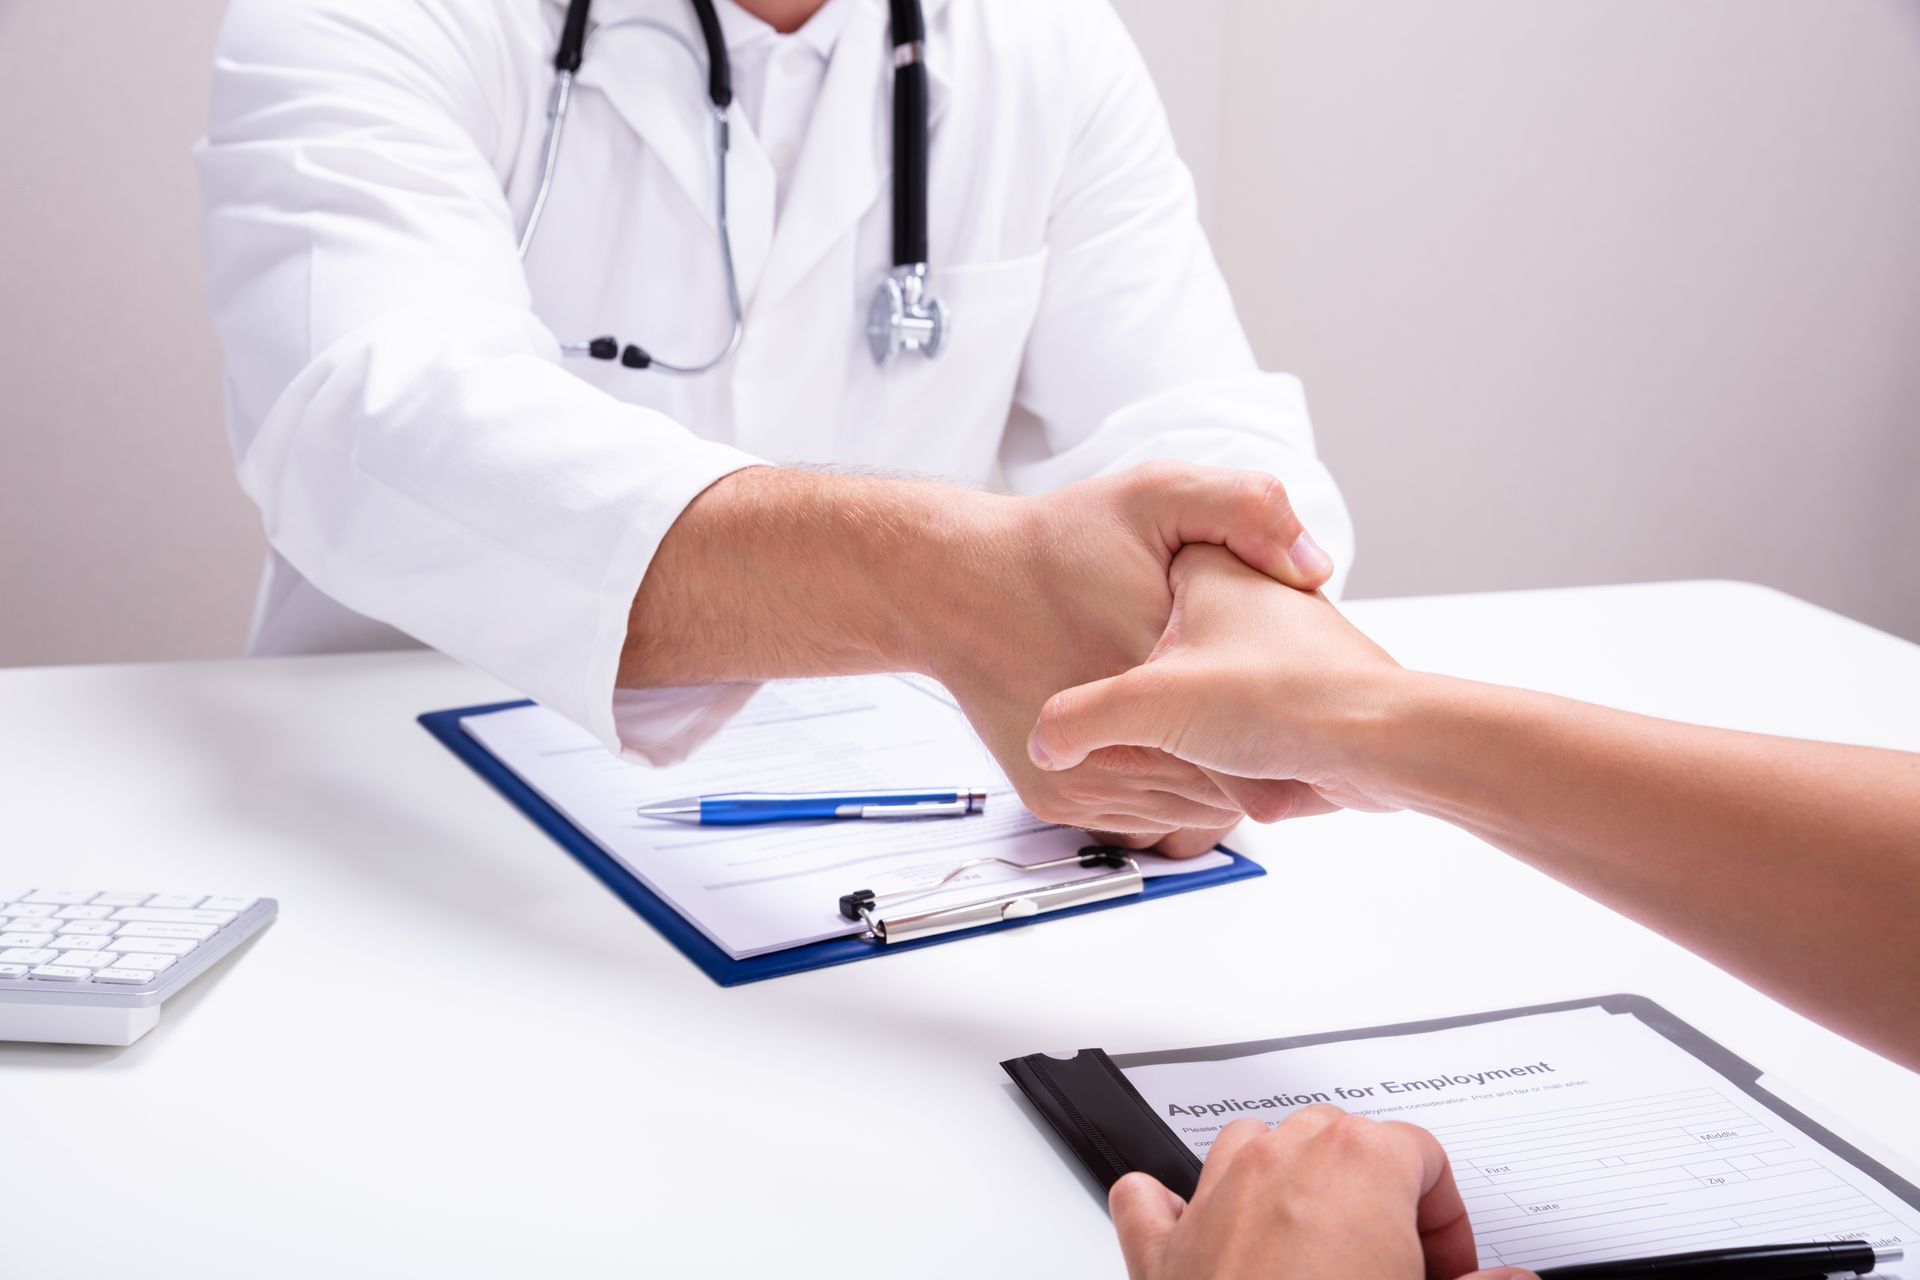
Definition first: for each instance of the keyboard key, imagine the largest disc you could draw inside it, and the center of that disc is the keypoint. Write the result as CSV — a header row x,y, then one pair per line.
x,y
144,929
21,939
61,973
85,913
155,963
158,946
87,959
120,899
228,904
126,977
156,915
18,910
175,900
101,928
78,942
28,955
61,897
13,970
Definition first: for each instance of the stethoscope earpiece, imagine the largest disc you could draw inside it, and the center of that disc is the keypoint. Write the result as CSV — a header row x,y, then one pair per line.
x,y
902,316
607,348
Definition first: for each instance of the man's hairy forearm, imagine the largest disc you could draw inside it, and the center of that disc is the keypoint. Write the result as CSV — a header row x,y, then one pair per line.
x,y
1005,601
775,573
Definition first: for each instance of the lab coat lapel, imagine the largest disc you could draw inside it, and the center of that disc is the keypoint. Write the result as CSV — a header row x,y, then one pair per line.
x,y
659,93
842,163
650,82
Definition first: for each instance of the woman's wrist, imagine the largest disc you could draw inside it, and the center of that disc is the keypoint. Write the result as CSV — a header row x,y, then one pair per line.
x,y
1396,735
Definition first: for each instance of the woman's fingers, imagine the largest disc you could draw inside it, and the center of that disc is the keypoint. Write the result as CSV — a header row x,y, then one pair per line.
x,y
1270,799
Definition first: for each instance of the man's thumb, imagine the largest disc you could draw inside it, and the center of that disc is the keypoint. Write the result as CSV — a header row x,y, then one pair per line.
x,y
1144,1214
1501,1273
1079,721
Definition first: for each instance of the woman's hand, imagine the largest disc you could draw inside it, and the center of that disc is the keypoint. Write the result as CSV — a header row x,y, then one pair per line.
x,y
1074,586
1252,679
1322,1196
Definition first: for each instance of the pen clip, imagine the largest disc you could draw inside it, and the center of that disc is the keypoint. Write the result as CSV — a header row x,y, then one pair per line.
x,y
924,809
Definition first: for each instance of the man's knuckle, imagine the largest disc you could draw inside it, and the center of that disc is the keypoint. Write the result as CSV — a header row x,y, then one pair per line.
x,y
1270,805
1318,1115
1156,474
1358,1136
1268,500
1263,1153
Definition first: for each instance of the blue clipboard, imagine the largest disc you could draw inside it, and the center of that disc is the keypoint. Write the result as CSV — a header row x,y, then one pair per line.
x,y
696,946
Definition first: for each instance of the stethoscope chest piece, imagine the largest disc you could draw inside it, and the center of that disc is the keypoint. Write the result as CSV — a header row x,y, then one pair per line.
x,y
903,318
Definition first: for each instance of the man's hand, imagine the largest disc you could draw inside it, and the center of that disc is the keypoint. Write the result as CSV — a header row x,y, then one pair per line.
x,y
1323,1196
1251,680
1078,589
773,573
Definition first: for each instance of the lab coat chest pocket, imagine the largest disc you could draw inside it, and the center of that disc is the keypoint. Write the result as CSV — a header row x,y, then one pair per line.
x,y
955,405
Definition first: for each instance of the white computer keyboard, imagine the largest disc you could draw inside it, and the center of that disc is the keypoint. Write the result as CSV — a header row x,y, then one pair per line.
x,y
87,966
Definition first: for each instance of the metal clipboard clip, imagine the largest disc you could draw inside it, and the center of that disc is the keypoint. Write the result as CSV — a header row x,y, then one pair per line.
x,y
1122,878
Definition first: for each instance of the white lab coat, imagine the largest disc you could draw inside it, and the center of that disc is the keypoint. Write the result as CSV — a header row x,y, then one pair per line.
x,y
422,455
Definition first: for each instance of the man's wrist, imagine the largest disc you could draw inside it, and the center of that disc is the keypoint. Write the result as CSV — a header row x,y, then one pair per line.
x,y
773,572
942,566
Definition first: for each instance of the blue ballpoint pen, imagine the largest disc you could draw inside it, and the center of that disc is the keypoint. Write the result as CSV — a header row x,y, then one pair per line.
x,y
742,808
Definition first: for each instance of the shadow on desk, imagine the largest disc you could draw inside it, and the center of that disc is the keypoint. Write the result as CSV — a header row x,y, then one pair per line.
x,y
380,800
177,1011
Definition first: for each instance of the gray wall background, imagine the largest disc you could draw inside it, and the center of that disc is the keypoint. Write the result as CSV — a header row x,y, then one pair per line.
x,y
1583,291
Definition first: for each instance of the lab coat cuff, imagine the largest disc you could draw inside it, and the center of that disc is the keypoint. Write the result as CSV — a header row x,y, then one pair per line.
x,y
658,726
664,726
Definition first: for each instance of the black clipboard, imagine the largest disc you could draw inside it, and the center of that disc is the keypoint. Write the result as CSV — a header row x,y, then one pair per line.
x,y
1089,1102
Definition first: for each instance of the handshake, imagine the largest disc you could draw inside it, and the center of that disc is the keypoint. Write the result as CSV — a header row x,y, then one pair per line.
x,y
1144,656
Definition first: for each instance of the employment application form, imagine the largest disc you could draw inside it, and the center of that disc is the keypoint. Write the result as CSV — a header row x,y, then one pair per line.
x,y
757,889
1576,1136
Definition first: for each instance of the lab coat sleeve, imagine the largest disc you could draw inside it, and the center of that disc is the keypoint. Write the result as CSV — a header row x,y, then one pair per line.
x,y
1136,352
399,414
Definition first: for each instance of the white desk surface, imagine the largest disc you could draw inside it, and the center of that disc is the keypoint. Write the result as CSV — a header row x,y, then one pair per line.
x,y
455,1054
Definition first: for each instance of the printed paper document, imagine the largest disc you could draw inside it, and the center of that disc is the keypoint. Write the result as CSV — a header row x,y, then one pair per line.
x,y
1576,1136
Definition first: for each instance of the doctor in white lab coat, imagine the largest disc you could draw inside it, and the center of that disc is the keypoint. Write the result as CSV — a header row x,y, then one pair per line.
x,y
614,542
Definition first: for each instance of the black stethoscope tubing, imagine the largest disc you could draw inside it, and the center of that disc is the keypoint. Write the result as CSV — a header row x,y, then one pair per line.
x,y
902,317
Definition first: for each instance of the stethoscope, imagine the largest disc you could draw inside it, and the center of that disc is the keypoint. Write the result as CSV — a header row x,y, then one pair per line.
x,y
903,316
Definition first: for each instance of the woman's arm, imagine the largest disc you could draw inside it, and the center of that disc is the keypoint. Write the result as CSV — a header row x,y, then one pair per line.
x,y
1795,865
